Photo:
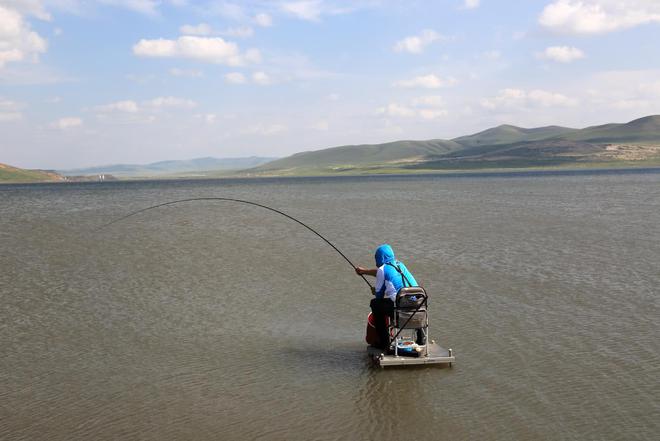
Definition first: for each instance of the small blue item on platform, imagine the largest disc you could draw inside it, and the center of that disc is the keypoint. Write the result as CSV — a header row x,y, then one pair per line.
x,y
407,348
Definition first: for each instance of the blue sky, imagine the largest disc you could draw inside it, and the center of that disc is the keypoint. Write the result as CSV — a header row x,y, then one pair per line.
x,y
134,81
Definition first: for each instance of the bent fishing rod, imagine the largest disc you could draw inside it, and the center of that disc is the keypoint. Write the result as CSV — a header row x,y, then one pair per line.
x,y
241,201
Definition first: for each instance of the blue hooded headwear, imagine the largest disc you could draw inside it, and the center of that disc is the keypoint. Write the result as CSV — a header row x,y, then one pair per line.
x,y
392,280
384,254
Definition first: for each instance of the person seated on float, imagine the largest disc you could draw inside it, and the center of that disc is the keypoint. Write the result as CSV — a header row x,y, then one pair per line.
x,y
389,280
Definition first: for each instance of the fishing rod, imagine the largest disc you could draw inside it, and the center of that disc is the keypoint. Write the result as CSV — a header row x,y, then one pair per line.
x,y
242,202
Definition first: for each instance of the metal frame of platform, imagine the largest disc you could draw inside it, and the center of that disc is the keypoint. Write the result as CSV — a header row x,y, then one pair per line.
x,y
436,355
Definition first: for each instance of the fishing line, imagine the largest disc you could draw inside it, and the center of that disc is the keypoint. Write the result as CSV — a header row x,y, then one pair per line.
x,y
242,202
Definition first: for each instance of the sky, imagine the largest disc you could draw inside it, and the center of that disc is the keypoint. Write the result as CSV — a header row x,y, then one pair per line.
x,y
97,82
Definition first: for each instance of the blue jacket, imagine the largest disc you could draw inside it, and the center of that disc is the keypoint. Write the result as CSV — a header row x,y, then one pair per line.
x,y
388,279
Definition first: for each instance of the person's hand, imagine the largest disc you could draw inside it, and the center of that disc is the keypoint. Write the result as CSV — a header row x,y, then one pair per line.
x,y
359,270
373,291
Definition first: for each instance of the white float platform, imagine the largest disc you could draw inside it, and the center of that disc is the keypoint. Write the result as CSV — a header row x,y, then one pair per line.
x,y
436,355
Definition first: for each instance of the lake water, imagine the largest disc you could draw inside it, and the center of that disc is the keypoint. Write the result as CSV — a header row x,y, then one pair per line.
x,y
219,321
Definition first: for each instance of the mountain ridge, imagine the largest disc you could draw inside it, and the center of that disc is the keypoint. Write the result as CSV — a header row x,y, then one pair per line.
x,y
11,174
506,146
170,167
635,143
507,133
363,153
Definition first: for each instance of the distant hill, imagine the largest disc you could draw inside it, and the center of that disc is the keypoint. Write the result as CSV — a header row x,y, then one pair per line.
x,y
505,146
9,174
506,134
636,143
174,167
645,129
355,155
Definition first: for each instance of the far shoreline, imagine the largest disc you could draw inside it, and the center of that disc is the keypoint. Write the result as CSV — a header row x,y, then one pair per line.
x,y
453,173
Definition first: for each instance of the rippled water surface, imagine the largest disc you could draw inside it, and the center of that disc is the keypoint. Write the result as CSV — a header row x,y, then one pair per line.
x,y
220,321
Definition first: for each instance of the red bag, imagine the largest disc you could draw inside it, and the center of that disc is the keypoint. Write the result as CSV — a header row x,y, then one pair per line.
x,y
372,335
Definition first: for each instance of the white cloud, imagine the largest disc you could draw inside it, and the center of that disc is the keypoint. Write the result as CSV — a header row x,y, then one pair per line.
x,y
35,8
519,98
252,56
562,54
204,29
429,100
17,41
147,7
235,78
200,29
305,10
208,118
549,99
493,55
415,44
66,123
471,4
322,126
432,113
598,16
6,104
261,78
239,32
506,98
313,10
170,102
9,110
190,73
263,20
141,78
144,112
205,49
231,11
430,81
394,109
126,106
291,67
157,48
10,116
637,90
425,107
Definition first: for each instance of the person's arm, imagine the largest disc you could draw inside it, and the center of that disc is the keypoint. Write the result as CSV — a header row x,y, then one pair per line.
x,y
379,289
366,271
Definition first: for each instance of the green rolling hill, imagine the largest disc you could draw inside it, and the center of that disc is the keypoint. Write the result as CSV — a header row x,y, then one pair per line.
x,y
364,155
641,130
506,134
9,174
506,146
